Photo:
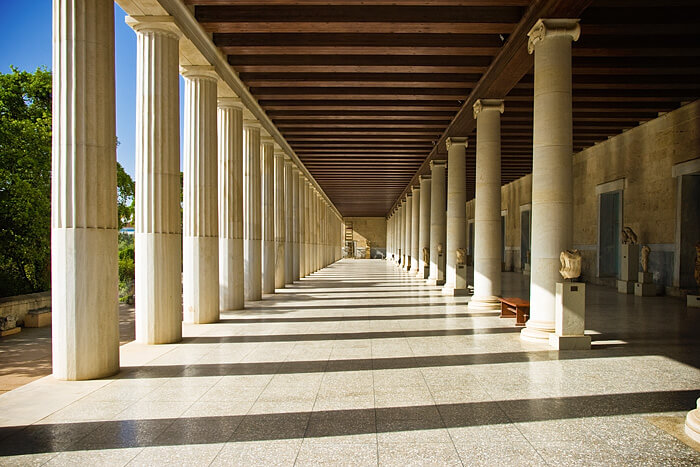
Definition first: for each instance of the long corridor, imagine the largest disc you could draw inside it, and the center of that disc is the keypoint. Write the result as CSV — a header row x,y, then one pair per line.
x,y
362,364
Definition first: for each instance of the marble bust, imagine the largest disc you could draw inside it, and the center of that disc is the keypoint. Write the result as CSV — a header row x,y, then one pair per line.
x,y
570,264
628,236
426,255
461,256
645,258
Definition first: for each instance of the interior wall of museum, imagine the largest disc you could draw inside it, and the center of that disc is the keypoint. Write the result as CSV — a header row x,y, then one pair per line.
x,y
372,229
639,160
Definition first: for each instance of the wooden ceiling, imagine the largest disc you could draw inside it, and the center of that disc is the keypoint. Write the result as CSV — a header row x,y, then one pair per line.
x,y
367,91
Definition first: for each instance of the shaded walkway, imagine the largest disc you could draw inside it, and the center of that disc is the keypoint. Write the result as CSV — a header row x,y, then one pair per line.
x,y
362,364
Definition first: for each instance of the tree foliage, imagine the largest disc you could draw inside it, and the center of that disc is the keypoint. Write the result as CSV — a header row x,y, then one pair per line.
x,y
125,197
25,181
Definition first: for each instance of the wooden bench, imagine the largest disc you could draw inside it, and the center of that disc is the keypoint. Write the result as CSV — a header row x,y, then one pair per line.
x,y
515,307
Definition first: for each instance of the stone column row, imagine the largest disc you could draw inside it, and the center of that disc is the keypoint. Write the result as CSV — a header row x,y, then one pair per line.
x,y
191,263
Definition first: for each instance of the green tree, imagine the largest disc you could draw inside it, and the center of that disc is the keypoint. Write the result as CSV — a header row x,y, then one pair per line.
x,y
25,181
125,197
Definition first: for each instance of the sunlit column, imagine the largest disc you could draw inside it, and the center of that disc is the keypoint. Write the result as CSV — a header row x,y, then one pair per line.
x,y
289,222
424,227
415,229
200,277
437,222
552,175
158,231
252,210
84,252
487,217
280,220
267,148
456,211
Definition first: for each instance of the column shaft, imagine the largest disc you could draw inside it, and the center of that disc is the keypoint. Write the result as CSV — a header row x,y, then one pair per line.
x,y
487,217
231,279
552,176
415,229
289,223
252,211
280,221
200,217
267,148
424,227
84,252
456,213
296,225
408,212
437,223
158,233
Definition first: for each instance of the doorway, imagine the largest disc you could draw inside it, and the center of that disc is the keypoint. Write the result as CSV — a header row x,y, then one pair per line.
x,y
609,227
689,211
525,232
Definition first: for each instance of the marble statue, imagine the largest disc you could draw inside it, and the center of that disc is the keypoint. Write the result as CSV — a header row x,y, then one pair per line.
x,y
697,263
628,236
426,255
439,248
570,264
461,256
645,258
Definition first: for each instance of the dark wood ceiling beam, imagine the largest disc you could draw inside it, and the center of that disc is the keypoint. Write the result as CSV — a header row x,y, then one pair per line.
x,y
365,124
342,106
358,95
263,50
447,69
451,3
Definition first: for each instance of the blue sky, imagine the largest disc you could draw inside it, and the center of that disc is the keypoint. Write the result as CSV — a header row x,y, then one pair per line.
x,y
25,42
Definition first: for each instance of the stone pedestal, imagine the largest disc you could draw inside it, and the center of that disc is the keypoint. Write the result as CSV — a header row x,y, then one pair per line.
x,y
645,287
570,317
629,267
692,424
552,168
460,289
626,287
693,301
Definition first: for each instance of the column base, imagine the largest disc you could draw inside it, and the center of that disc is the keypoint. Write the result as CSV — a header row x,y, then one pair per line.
x,y
455,292
693,301
626,287
484,303
436,282
200,280
569,342
538,332
692,424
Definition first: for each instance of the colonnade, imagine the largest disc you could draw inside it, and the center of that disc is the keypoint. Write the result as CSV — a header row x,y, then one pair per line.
x,y
251,220
441,220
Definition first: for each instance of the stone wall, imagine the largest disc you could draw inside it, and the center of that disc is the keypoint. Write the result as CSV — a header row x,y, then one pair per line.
x,y
372,229
640,160
20,305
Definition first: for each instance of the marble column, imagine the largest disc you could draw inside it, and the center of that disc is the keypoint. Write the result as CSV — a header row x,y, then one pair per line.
x,y
415,229
296,225
402,233
456,212
409,230
437,222
424,226
487,215
388,237
288,222
84,252
230,132
200,277
158,233
552,174
303,214
252,211
267,148
280,221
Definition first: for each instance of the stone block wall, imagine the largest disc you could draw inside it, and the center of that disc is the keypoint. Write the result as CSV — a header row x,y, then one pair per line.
x,y
372,229
642,158
20,305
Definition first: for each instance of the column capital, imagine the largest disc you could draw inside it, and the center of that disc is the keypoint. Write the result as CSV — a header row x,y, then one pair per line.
x,y
199,71
409,195
552,27
267,139
415,188
158,24
251,123
454,140
295,169
229,103
438,163
424,177
482,105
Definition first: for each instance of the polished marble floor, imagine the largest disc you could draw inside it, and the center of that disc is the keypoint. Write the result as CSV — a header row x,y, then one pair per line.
x,y
360,364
